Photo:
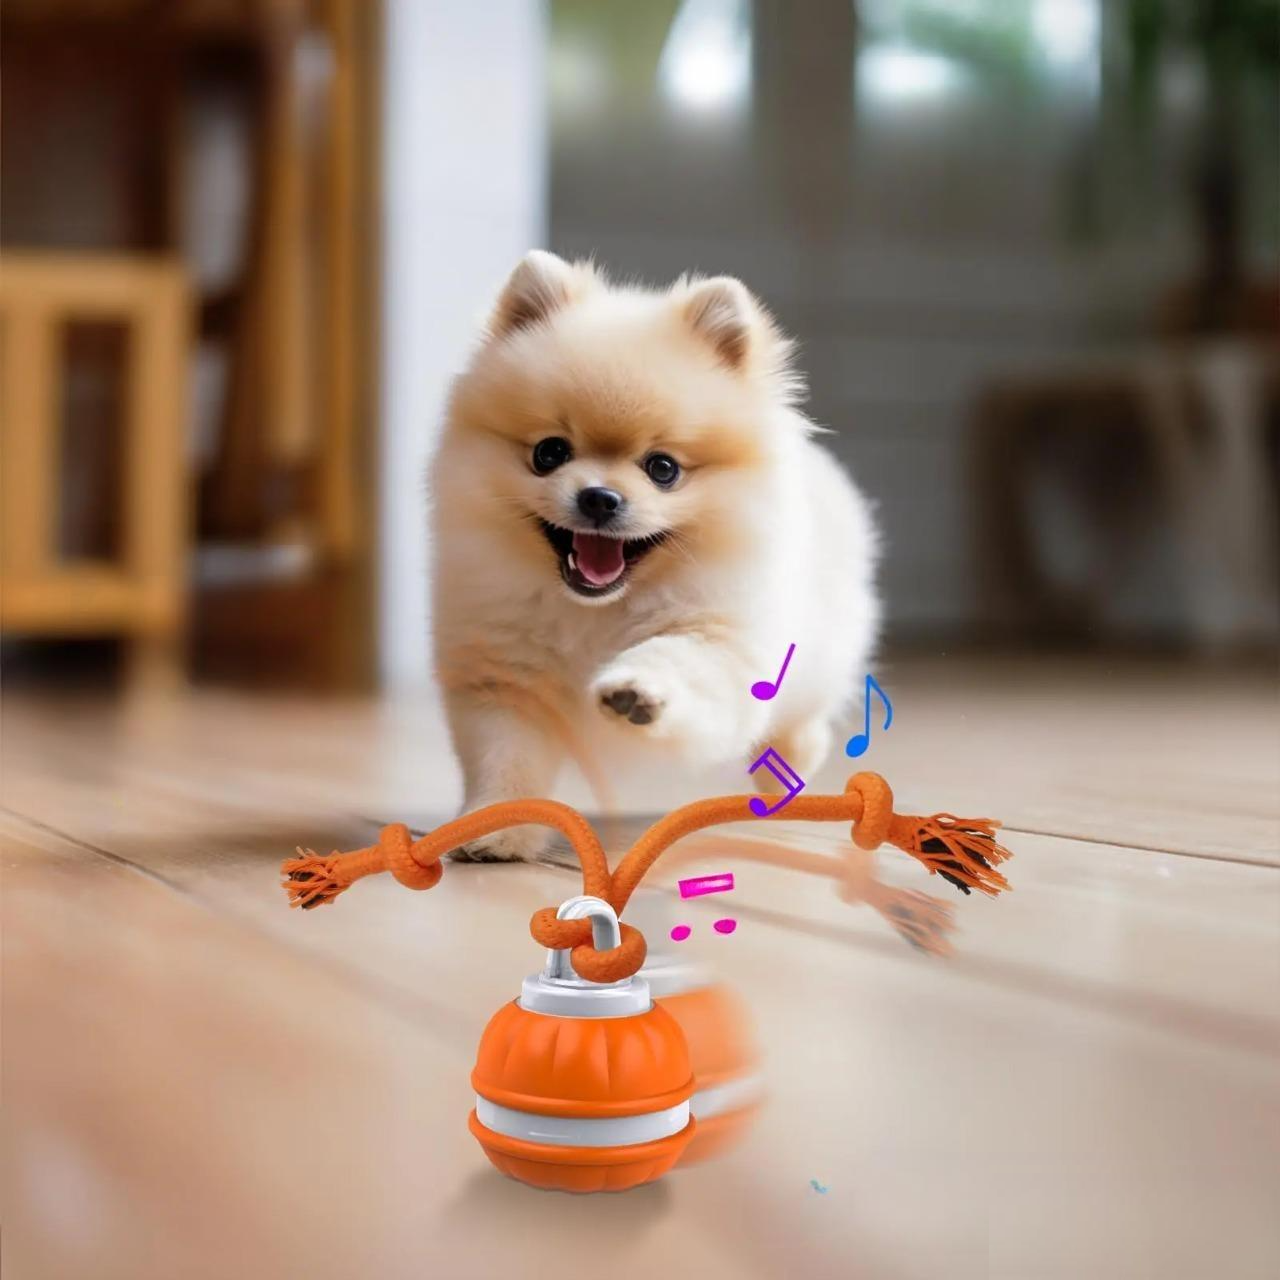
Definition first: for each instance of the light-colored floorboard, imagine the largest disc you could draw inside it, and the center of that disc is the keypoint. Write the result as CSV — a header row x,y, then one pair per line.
x,y
199,1082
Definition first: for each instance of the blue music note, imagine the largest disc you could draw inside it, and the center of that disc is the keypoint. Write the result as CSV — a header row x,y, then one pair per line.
x,y
859,743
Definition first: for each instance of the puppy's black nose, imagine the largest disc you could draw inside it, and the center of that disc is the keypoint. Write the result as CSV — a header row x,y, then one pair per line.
x,y
600,505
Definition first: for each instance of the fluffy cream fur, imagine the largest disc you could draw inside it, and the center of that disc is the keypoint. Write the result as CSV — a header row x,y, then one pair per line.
x,y
765,540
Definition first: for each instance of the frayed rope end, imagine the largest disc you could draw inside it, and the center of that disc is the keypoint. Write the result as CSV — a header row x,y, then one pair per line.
x,y
310,880
963,851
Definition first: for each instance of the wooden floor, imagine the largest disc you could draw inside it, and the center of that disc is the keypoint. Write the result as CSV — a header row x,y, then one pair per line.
x,y
200,1083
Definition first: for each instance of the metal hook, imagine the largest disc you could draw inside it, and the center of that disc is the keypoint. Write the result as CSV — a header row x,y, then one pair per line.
x,y
605,934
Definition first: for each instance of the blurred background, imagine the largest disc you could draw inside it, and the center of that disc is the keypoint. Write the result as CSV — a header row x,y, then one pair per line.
x,y
1029,248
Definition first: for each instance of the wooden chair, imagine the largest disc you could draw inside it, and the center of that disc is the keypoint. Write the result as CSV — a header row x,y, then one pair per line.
x,y
141,594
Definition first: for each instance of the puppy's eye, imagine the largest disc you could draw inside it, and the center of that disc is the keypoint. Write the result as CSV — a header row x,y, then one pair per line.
x,y
662,469
551,453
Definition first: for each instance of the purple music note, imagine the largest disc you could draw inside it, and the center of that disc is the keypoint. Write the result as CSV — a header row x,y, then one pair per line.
x,y
793,783
766,689
858,744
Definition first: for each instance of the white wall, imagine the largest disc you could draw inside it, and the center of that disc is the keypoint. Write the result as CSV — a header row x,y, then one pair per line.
x,y
464,180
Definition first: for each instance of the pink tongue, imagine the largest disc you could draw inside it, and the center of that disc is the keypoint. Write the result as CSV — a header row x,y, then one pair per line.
x,y
599,560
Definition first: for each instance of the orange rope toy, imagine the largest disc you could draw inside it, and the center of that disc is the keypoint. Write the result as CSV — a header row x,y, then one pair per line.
x,y
962,850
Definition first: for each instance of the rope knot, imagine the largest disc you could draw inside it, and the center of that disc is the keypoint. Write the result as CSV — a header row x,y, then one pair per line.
x,y
872,829
549,931
397,848
622,961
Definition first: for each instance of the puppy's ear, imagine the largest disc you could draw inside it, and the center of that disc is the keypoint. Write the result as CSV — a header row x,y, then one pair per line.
x,y
539,286
725,315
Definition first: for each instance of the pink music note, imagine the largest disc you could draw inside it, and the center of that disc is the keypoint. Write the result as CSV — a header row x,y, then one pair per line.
x,y
766,689
793,783
695,886
861,741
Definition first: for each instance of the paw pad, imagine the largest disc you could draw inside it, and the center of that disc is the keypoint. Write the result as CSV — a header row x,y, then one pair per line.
x,y
630,705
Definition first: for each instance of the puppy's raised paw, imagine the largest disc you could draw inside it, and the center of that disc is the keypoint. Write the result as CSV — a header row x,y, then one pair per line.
x,y
519,844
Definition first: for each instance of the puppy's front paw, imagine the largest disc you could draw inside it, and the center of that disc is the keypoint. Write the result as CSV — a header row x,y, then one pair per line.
x,y
630,696
519,844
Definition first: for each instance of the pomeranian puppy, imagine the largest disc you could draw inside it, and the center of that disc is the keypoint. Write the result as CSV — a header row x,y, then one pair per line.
x,y
632,522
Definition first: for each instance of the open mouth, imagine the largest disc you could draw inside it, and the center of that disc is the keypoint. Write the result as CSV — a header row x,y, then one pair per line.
x,y
594,564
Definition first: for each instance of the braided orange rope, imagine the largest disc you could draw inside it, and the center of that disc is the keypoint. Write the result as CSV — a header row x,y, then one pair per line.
x,y
962,850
